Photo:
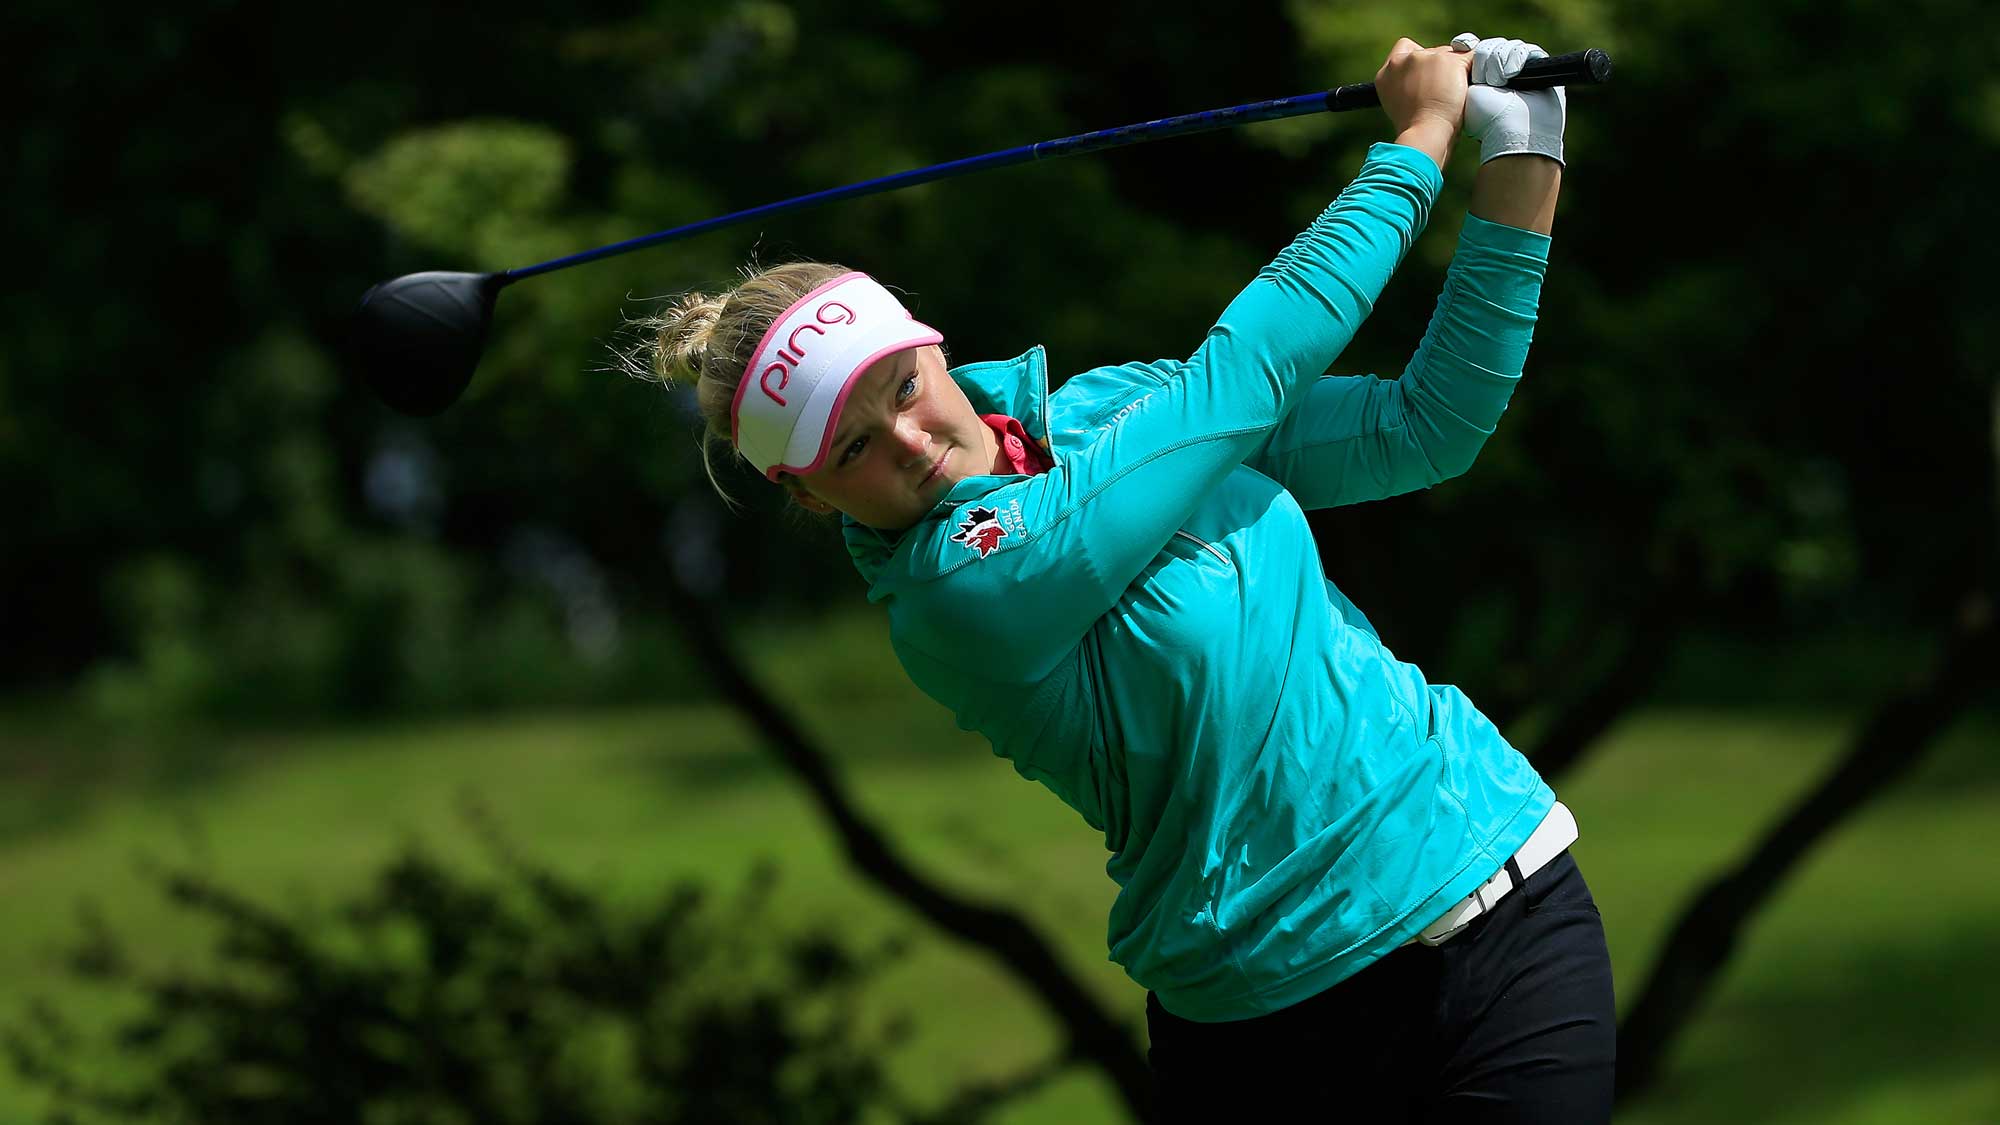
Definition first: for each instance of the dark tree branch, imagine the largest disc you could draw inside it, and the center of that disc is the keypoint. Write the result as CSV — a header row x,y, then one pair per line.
x,y
1648,643
1094,1037
1885,748
1512,693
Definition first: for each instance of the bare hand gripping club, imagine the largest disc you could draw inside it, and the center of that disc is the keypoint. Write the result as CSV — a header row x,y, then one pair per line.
x,y
415,340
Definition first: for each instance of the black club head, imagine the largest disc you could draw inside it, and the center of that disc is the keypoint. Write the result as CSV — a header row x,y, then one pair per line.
x,y
415,340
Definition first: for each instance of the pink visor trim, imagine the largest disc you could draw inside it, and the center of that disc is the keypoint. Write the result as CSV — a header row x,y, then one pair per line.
x,y
764,343
788,403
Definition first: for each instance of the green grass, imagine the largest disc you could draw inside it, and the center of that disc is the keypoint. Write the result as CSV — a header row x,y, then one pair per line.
x,y
1861,995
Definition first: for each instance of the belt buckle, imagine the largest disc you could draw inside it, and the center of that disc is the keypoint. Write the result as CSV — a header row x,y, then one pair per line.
x,y
1434,940
1446,936
1477,898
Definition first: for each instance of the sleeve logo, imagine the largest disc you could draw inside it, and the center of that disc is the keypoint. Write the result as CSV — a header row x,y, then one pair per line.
x,y
981,530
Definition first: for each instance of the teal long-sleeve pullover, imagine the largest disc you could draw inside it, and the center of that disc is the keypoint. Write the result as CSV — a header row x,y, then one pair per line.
x,y
1145,628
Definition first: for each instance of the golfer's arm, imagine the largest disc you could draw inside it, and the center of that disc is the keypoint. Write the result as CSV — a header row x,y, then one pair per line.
x,y
1518,191
1359,438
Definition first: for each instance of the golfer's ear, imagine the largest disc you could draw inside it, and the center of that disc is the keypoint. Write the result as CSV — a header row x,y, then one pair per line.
x,y
803,498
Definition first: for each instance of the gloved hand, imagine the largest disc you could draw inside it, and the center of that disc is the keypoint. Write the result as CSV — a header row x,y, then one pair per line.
x,y
1506,121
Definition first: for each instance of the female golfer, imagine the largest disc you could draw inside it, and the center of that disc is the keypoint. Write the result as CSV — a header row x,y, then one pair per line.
x,y
1339,883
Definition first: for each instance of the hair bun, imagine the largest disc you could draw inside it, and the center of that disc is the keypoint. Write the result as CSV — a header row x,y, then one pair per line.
x,y
681,351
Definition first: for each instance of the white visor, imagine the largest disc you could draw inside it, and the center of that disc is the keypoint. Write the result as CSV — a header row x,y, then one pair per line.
x,y
786,408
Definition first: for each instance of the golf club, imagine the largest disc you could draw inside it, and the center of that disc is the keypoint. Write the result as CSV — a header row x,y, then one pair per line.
x,y
415,340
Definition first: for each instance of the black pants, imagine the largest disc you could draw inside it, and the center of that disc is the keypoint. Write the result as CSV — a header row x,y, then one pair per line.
x,y
1510,1021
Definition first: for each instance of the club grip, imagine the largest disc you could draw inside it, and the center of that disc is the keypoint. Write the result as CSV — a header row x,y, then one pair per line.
x,y
1578,68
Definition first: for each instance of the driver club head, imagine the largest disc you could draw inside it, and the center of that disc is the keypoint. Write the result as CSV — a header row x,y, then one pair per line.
x,y
416,339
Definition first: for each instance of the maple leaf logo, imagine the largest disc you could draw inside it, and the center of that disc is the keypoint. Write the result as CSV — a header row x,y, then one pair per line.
x,y
981,530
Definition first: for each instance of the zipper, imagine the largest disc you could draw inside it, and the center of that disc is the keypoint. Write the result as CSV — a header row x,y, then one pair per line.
x,y
1204,545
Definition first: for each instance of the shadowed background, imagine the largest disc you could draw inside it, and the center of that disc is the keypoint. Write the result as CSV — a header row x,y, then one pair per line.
x,y
1726,571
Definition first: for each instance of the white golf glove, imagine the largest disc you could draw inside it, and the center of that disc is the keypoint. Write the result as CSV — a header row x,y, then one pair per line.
x,y
1510,121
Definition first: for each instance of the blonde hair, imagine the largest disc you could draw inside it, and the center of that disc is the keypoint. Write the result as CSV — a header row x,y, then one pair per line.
x,y
706,341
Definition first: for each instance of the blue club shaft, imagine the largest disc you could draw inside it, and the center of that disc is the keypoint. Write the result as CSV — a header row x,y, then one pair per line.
x,y
1046,150
1578,68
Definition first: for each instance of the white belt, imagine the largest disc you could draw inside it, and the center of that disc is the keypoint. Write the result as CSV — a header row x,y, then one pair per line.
x,y
1556,832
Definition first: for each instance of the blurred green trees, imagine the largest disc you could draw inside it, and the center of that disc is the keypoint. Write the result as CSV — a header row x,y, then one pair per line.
x,y
1756,415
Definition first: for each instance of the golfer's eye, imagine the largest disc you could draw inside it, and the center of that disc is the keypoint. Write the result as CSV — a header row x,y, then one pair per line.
x,y
853,450
909,386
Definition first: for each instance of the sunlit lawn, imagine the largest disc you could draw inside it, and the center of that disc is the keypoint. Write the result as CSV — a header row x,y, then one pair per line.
x,y
1865,994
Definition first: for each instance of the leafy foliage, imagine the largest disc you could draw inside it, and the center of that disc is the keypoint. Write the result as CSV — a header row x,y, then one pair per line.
x,y
1759,381
434,997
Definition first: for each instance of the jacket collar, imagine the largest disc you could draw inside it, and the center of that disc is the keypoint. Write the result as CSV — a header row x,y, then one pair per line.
x,y
1018,388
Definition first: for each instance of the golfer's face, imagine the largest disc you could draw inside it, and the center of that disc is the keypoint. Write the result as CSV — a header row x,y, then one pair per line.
x,y
905,434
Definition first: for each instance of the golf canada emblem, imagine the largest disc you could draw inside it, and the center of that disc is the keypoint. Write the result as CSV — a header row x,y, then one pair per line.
x,y
981,530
